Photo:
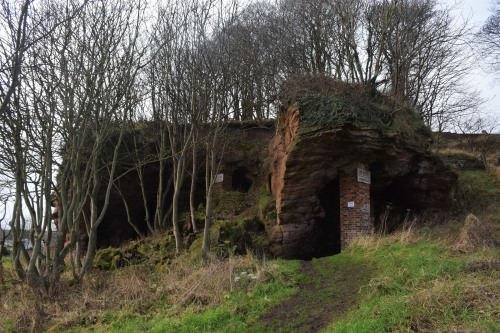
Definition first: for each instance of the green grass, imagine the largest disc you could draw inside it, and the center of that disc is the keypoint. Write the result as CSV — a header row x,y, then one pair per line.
x,y
422,286
239,310
6,260
477,191
387,284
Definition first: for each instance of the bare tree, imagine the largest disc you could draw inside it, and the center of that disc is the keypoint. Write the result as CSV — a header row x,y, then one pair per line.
x,y
15,42
477,131
218,61
73,97
28,131
488,40
3,235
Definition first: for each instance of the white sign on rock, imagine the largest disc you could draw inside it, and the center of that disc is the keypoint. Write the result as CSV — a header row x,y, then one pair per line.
x,y
364,176
219,178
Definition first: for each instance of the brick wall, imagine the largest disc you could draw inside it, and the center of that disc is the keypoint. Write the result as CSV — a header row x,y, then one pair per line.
x,y
354,221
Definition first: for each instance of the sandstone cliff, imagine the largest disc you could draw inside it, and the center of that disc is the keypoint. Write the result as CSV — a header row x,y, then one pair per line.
x,y
306,162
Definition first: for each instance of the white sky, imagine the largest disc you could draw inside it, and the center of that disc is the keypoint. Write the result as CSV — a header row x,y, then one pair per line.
x,y
489,86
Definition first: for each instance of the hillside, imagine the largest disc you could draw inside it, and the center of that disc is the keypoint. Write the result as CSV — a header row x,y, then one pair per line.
x,y
425,277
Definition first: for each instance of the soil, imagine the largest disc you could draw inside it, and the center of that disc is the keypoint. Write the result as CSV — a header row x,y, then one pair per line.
x,y
323,295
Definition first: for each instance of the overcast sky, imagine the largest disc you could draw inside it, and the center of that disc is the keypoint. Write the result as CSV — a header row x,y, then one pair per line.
x,y
478,11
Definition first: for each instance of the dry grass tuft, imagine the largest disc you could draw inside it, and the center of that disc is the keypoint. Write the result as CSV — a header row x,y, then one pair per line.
x,y
488,264
405,234
493,170
440,302
475,235
22,309
207,285
133,290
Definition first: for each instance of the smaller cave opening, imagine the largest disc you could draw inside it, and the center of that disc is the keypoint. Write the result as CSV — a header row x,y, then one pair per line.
x,y
329,226
391,208
242,180
391,200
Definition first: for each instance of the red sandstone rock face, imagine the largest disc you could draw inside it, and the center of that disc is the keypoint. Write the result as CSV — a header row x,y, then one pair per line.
x,y
305,161
305,165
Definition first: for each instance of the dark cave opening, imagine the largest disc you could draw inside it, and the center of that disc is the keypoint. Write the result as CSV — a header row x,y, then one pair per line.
x,y
391,207
329,226
242,180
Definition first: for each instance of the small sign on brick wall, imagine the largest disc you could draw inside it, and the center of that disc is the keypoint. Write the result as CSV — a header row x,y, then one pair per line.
x,y
219,178
364,176
350,204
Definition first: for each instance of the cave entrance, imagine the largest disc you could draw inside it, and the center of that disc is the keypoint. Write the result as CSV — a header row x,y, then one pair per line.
x,y
242,180
329,226
391,207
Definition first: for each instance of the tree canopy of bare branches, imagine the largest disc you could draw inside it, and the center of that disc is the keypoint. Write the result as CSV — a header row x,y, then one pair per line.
x,y
489,38
76,76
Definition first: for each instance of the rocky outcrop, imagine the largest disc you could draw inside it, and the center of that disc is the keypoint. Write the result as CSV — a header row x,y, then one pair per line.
x,y
306,161
244,155
462,161
115,228
303,167
242,151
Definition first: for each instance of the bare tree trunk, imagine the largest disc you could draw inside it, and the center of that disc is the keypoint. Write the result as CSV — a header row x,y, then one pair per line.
x,y
210,184
193,188
175,206
127,211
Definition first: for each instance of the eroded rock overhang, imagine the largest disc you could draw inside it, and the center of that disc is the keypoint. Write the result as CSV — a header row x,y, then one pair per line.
x,y
308,166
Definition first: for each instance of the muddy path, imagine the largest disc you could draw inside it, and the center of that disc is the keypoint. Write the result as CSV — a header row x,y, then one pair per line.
x,y
327,289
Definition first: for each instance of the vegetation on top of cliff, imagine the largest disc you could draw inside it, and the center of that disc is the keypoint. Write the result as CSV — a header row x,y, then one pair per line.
x,y
328,103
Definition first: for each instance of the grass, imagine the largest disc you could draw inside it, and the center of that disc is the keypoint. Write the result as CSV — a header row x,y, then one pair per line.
x,y
236,309
6,261
410,281
186,297
423,285
493,170
404,282
478,192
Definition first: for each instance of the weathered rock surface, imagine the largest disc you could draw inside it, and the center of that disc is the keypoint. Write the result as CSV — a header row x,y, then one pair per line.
x,y
302,171
242,156
305,160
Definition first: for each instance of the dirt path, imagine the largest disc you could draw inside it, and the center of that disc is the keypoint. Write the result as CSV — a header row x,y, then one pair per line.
x,y
327,290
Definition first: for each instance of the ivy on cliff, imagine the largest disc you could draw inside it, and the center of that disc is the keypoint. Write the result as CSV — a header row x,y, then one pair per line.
x,y
332,111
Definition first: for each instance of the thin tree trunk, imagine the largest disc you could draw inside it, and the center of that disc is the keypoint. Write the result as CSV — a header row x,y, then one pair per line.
x,y
193,189
175,205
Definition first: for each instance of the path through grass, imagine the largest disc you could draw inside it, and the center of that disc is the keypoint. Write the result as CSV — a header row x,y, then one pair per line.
x,y
328,287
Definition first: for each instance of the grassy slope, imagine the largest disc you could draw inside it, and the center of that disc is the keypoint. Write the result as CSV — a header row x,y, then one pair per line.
x,y
414,281
240,308
410,281
424,285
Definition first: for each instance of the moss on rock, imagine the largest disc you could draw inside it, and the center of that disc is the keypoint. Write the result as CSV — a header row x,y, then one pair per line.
x,y
158,250
240,233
